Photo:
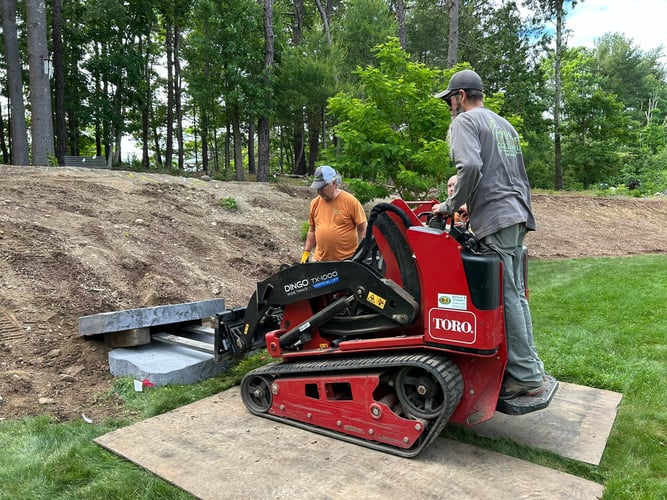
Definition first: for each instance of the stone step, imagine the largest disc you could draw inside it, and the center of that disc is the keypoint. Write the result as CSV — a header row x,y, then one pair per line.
x,y
144,317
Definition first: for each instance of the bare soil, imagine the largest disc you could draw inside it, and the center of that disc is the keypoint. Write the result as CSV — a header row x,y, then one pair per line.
x,y
76,242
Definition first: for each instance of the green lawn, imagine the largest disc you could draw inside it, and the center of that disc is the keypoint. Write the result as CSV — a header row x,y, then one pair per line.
x,y
598,322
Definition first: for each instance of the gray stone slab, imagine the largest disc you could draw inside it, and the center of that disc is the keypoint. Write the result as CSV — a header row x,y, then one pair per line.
x,y
576,424
117,321
215,449
164,364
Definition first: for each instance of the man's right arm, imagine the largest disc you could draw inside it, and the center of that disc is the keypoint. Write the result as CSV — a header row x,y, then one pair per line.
x,y
309,245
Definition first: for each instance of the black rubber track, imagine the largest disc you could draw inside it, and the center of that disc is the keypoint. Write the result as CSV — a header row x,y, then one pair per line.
x,y
443,369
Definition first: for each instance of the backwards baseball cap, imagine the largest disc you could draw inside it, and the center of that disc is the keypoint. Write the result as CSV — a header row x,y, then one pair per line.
x,y
323,175
465,79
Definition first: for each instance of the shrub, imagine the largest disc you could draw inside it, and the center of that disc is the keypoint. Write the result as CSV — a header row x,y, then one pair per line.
x,y
229,203
303,231
366,191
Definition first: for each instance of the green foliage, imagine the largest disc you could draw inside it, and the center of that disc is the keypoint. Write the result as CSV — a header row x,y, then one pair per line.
x,y
366,23
303,230
612,122
109,55
629,73
613,104
229,203
595,131
412,186
653,177
366,191
306,78
426,29
392,124
52,160
224,51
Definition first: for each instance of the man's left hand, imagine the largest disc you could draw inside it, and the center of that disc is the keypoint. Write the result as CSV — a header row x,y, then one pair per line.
x,y
436,209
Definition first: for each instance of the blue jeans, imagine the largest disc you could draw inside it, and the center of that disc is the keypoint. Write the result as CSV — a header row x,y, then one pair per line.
x,y
523,362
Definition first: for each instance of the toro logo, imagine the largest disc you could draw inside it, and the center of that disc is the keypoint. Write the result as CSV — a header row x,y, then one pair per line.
x,y
453,326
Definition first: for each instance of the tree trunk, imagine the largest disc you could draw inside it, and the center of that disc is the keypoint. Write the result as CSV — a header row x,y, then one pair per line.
x,y
117,151
41,121
228,135
238,147
299,148
252,168
18,131
169,147
203,132
146,111
297,22
216,149
3,143
558,168
264,124
314,143
299,166
194,135
400,18
116,130
325,20
453,37
59,81
156,145
96,115
73,135
177,97
263,149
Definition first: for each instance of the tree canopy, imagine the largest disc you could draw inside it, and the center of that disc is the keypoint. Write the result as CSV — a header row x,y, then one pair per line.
x,y
191,82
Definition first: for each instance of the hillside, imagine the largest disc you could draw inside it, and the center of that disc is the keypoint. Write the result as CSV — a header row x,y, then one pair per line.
x,y
75,242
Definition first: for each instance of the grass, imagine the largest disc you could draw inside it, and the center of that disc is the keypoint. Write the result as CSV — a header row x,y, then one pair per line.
x,y
603,323
597,322
42,459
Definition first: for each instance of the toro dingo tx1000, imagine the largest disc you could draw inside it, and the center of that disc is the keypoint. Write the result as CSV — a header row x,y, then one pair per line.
x,y
385,348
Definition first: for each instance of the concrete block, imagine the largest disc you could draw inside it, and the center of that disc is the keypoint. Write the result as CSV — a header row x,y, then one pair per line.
x,y
164,364
129,338
144,317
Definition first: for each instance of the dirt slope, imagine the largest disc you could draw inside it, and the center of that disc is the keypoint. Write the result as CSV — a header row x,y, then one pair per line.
x,y
75,242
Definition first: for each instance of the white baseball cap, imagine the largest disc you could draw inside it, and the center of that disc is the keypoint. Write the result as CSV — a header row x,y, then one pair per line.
x,y
323,175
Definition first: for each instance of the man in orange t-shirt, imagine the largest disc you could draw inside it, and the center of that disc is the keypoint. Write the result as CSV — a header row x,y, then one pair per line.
x,y
337,220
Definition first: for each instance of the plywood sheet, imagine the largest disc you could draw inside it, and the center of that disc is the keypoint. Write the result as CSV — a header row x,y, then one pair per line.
x,y
215,449
576,424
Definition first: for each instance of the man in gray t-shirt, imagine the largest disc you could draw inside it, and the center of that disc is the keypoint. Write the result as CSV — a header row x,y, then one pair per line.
x,y
492,180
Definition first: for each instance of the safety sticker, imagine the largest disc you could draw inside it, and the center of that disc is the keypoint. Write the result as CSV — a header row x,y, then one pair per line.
x,y
376,300
451,301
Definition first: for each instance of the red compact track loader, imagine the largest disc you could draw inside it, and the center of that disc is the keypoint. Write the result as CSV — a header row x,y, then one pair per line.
x,y
385,348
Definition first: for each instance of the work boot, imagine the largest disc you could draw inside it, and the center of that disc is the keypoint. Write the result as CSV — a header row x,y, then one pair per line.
x,y
512,388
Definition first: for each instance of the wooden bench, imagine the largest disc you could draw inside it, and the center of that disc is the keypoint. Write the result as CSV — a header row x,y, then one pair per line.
x,y
85,161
